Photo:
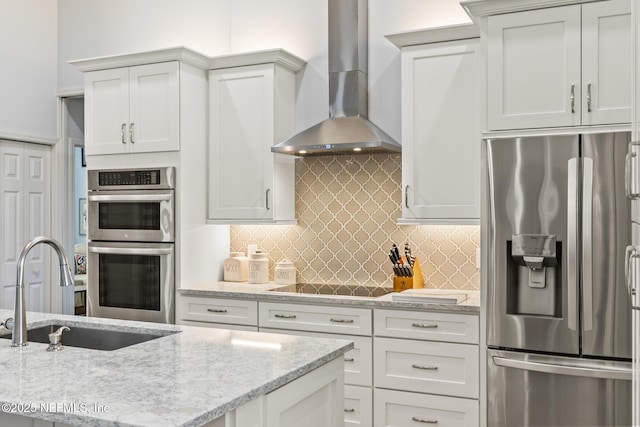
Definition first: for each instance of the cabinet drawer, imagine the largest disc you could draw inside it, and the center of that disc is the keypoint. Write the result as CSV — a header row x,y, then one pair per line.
x,y
228,326
358,363
402,409
336,320
358,406
461,328
203,309
426,367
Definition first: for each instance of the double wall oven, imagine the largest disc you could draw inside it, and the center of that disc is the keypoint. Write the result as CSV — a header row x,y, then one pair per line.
x,y
131,230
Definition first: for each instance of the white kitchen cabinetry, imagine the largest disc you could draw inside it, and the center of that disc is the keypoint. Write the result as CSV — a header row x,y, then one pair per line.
x,y
251,108
145,102
332,322
562,66
432,361
217,312
26,211
133,109
440,125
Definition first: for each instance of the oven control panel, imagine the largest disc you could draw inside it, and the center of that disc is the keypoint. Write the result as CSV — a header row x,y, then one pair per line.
x,y
147,177
131,179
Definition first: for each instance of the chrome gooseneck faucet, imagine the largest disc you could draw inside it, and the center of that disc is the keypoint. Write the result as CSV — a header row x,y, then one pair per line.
x,y
19,337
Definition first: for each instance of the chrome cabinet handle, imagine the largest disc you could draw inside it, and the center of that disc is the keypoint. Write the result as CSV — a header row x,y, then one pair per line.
x,y
630,272
122,131
589,97
422,420
424,325
573,99
350,410
426,368
406,196
266,197
349,359
341,320
285,316
131,132
629,176
216,310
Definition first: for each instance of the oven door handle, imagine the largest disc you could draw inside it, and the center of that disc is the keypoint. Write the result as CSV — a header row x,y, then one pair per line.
x,y
131,251
130,197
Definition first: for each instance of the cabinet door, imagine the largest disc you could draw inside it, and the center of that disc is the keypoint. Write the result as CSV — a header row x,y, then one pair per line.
x,y
154,122
241,135
107,111
606,62
441,131
534,69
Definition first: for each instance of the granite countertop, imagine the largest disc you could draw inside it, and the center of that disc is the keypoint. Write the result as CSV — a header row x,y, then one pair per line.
x,y
181,379
280,293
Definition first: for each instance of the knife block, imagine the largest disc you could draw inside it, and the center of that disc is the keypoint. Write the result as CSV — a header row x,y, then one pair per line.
x,y
416,282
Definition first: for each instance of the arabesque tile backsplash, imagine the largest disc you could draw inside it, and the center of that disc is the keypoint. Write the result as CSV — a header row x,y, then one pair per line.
x,y
347,209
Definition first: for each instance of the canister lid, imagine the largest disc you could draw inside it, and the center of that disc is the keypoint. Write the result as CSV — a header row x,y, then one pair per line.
x,y
236,254
284,263
258,255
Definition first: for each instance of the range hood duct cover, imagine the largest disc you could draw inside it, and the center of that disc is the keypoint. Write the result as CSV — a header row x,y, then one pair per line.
x,y
347,130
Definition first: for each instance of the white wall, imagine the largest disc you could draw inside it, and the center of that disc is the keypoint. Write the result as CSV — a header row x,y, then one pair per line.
x,y
28,106
89,28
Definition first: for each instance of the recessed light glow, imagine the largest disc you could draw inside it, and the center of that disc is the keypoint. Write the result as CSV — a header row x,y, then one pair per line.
x,y
302,152
357,149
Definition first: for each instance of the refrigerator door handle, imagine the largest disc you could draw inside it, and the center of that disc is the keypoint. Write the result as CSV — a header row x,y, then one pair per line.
x,y
564,369
587,242
572,244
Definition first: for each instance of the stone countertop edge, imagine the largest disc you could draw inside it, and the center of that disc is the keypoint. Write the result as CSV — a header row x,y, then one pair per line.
x,y
264,292
162,382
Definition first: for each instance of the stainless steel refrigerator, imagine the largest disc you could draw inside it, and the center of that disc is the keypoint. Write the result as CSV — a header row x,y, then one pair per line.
x,y
558,311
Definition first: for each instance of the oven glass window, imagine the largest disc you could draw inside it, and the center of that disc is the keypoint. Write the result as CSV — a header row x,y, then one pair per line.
x,y
129,216
130,281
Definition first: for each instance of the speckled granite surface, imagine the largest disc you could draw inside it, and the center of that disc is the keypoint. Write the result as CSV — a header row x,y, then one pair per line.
x,y
278,293
182,379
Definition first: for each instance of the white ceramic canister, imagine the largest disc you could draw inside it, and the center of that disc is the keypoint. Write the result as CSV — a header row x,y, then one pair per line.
x,y
236,267
285,273
258,267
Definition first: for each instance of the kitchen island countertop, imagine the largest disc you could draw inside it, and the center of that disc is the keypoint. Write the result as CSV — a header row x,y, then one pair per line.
x,y
186,378
275,293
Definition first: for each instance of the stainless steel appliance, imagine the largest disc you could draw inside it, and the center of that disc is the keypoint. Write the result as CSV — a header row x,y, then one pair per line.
x,y
558,313
131,245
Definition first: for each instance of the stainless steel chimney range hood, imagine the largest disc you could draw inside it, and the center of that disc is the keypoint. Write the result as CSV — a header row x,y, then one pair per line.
x,y
347,130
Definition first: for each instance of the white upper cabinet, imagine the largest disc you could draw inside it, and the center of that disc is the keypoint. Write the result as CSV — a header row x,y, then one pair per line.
x,y
562,66
441,127
133,109
251,107
145,102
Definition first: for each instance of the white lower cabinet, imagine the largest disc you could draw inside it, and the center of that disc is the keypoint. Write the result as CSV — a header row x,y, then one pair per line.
x,y
403,409
217,312
426,369
358,406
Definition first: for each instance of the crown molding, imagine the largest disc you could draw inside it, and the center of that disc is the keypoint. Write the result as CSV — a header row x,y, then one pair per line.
x,y
181,54
277,56
434,35
479,8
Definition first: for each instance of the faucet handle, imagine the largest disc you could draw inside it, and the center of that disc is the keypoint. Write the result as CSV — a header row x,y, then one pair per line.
x,y
55,339
8,323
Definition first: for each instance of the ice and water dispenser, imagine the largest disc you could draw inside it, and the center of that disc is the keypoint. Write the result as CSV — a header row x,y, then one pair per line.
x,y
534,279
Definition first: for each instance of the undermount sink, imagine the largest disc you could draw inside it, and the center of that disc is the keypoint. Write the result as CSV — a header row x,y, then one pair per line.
x,y
92,338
